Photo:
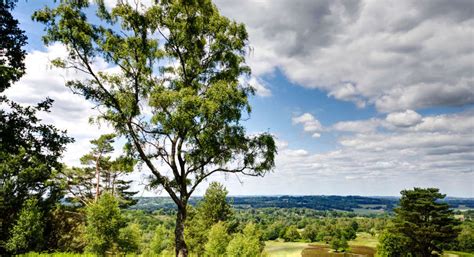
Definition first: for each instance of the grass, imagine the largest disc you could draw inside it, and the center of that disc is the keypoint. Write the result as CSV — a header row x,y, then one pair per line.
x,y
457,254
284,249
364,239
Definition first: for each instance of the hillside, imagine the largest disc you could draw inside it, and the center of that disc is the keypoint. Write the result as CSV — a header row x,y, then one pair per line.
x,y
316,202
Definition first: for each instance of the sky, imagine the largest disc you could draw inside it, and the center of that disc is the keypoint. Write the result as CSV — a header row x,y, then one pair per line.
x,y
364,97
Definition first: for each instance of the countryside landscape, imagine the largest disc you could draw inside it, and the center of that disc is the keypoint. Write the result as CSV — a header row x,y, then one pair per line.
x,y
273,128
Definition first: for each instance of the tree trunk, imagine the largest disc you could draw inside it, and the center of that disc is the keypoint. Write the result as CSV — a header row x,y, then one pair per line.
x,y
113,183
97,177
181,247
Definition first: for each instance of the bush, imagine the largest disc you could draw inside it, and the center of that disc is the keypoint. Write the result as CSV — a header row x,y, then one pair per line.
x,y
104,221
217,240
28,230
246,244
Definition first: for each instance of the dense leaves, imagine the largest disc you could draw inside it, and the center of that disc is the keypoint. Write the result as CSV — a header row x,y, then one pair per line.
x,y
422,225
12,39
27,233
104,221
29,153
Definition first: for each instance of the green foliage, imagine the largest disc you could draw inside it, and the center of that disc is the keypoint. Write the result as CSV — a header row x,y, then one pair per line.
x,y
291,234
214,206
195,231
104,221
217,240
129,238
465,240
12,39
274,230
338,243
427,224
246,244
162,240
67,229
392,245
310,233
27,234
29,152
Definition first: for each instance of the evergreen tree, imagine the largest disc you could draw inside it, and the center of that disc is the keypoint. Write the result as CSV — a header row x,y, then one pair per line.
x,y
427,224
103,174
213,208
104,221
27,234
217,240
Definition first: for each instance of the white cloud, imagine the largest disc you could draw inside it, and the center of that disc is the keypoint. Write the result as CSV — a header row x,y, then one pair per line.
x,y
404,119
69,112
397,55
361,126
310,124
435,150
260,88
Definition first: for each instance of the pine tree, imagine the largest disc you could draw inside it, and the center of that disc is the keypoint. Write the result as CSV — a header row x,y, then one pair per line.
x,y
103,174
425,223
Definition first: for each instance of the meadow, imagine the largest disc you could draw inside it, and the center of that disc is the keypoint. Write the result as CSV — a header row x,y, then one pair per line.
x,y
363,246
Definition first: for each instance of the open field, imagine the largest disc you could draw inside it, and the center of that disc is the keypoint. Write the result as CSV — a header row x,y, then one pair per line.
x,y
284,249
364,239
458,254
364,245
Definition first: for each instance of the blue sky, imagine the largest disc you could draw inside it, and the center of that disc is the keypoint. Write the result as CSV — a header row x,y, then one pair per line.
x,y
364,97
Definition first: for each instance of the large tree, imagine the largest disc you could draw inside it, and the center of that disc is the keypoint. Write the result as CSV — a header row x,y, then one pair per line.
x,y
175,93
422,226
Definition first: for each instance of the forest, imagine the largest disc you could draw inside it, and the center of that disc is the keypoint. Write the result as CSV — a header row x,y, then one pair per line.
x,y
175,102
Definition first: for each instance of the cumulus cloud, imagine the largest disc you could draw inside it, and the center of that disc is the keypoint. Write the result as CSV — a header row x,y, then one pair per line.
x,y
404,119
396,55
310,124
433,151
363,126
261,89
69,112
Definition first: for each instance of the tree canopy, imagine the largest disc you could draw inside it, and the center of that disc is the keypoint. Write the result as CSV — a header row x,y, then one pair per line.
x,y
423,225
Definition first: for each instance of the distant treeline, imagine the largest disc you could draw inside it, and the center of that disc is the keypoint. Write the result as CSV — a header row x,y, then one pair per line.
x,y
317,202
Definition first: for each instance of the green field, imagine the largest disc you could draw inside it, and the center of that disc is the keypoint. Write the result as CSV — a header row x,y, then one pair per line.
x,y
284,249
294,249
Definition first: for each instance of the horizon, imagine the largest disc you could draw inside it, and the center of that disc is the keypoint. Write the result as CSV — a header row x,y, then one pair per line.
x,y
366,196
